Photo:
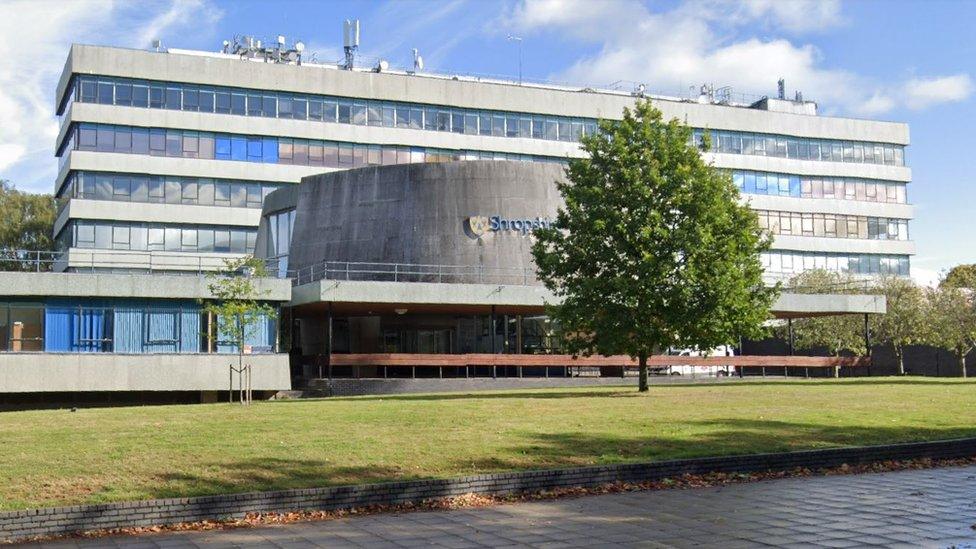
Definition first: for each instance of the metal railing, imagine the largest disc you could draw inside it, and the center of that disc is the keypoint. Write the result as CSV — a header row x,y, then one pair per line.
x,y
409,272
29,260
93,260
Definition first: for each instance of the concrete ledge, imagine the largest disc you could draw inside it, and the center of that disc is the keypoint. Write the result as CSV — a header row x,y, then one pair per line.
x,y
90,372
28,523
486,295
148,286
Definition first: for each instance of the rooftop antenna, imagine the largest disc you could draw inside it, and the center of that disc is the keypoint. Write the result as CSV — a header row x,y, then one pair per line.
x,y
350,43
781,88
418,61
157,43
513,38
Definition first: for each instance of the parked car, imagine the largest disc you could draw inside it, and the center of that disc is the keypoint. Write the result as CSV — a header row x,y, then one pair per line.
x,y
705,371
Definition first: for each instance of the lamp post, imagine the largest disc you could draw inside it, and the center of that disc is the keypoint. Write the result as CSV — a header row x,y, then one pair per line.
x,y
513,38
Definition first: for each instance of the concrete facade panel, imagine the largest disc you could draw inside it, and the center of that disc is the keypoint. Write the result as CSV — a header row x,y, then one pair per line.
x,y
809,167
118,285
161,213
830,206
183,167
89,372
843,245
419,293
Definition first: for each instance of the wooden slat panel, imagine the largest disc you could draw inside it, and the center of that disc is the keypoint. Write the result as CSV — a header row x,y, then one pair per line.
x,y
437,360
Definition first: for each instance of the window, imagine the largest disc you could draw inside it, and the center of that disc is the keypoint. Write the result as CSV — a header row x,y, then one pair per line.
x,y
161,327
120,238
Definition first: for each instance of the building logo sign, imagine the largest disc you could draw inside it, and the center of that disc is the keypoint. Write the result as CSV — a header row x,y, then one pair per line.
x,y
479,225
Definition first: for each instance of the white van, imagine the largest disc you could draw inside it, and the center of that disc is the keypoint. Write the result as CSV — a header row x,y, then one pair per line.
x,y
703,371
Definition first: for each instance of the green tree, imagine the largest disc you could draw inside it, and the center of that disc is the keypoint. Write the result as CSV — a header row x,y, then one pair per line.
x,y
653,248
236,305
904,323
28,225
961,276
836,333
951,314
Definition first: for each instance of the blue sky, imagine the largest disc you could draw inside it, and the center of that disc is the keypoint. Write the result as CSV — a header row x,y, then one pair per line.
x,y
905,61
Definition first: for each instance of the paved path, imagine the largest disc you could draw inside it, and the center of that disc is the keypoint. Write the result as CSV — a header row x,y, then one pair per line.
x,y
929,508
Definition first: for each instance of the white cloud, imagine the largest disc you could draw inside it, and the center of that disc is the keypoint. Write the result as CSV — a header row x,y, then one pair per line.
x,y
796,15
924,92
926,277
35,36
699,42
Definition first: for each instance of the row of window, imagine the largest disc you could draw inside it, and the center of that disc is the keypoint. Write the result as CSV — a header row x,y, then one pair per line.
x,y
107,235
833,225
805,186
801,148
129,326
186,97
268,150
361,112
788,262
123,187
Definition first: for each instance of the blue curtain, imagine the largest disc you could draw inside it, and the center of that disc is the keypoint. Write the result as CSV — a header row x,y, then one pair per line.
x,y
77,326
262,334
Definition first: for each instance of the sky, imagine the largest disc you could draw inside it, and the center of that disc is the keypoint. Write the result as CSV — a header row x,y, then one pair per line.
x,y
905,61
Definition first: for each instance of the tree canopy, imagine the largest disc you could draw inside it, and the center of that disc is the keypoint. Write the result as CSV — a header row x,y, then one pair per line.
x,y
951,314
905,321
961,276
28,220
652,248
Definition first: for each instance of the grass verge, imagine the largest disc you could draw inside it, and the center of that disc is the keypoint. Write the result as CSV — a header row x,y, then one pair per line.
x,y
58,457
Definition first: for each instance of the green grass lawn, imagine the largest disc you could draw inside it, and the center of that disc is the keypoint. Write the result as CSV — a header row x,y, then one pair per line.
x,y
58,457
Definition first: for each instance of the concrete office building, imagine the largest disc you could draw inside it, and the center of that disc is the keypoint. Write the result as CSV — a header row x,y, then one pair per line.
x,y
169,162
192,142
431,259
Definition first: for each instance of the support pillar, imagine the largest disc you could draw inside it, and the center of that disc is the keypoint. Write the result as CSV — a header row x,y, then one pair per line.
x,y
867,341
328,342
491,333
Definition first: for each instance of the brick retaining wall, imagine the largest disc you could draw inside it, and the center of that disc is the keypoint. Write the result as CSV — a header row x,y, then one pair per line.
x,y
67,520
379,386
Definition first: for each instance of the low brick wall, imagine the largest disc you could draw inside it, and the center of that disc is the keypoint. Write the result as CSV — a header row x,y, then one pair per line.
x,y
66,520
379,386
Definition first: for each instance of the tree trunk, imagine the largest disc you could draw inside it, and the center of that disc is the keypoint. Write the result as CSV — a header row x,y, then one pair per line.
x,y
900,353
962,363
642,377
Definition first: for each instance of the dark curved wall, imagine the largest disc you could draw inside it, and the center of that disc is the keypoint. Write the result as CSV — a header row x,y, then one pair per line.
x,y
417,213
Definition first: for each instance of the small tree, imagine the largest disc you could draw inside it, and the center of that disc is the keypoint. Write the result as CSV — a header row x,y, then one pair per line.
x,y
836,333
904,323
653,248
236,305
952,321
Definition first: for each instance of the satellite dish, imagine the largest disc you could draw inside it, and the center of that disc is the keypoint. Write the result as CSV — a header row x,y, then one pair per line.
x,y
299,46
382,65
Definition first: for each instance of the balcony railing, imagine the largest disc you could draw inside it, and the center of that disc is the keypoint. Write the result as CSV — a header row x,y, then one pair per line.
x,y
408,272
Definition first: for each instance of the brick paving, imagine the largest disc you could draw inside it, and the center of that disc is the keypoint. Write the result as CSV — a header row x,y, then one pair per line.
x,y
923,508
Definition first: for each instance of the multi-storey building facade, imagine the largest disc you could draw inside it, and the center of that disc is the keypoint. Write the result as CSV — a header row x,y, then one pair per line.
x,y
165,157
